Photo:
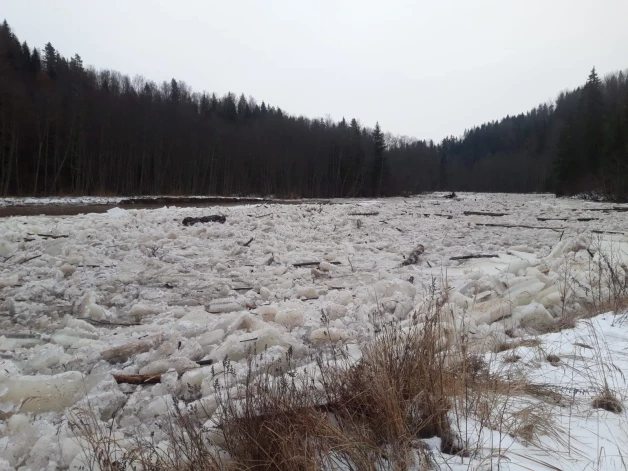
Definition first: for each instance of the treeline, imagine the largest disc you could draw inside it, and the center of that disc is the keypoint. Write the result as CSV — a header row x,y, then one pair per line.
x,y
578,144
70,129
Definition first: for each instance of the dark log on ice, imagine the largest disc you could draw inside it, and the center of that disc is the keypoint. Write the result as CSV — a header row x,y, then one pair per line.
x,y
587,219
371,213
619,209
312,264
414,256
484,213
468,257
451,195
49,236
137,379
552,219
107,323
510,226
607,232
189,221
248,243
204,362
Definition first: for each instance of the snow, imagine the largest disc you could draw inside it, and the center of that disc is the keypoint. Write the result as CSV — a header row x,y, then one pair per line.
x,y
135,291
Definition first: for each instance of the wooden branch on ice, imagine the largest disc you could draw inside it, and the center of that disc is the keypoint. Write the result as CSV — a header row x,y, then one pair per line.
x,y
468,257
49,236
190,221
312,264
414,256
248,243
607,232
137,379
29,259
510,226
483,213
552,219
371,213
107,323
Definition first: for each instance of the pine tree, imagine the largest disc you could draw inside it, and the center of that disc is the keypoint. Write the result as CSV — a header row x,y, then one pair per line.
x,y
380,170
50,60
593,119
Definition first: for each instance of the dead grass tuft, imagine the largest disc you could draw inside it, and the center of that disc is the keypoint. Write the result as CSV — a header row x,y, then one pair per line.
x,y
608,402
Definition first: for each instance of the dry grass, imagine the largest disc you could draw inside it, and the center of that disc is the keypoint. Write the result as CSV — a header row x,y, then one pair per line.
x,y
366,415
608,402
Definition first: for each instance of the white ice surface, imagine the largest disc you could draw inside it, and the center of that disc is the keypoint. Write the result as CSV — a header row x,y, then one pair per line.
x,y
177,294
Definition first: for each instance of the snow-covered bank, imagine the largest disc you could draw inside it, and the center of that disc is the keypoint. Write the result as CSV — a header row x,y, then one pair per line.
x,y
136,292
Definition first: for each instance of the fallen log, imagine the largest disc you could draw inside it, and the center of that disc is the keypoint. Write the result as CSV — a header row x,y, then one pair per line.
x,y
484,213
49,236
468,257
510,226
248,243
619,209
371,213
413,258
107,323
587,219
137,379
552,219
312,264
451,195
190,221
607,232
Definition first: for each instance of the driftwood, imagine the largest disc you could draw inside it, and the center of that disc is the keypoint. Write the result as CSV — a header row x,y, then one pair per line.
x,y
451,195
468,257
587,219
371,213
137,379
107,323
414,256
607,232
312,264
619,209
49,236
189,221
552,219
248,243
152,379
510,226
484,213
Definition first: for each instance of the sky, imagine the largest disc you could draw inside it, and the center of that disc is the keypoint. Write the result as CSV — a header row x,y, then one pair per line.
x,y
426,69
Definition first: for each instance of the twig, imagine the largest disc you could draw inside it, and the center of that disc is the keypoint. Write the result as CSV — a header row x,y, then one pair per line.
x,y
94,321
510,226
467,257
29,259
248,243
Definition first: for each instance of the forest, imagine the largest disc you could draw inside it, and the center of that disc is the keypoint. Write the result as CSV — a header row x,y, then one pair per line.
x,y
69,129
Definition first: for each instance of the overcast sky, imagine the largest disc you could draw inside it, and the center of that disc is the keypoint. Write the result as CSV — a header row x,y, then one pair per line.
x,y
421,68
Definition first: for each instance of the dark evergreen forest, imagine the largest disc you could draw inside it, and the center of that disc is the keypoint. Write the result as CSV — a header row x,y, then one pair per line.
x,y
67,129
